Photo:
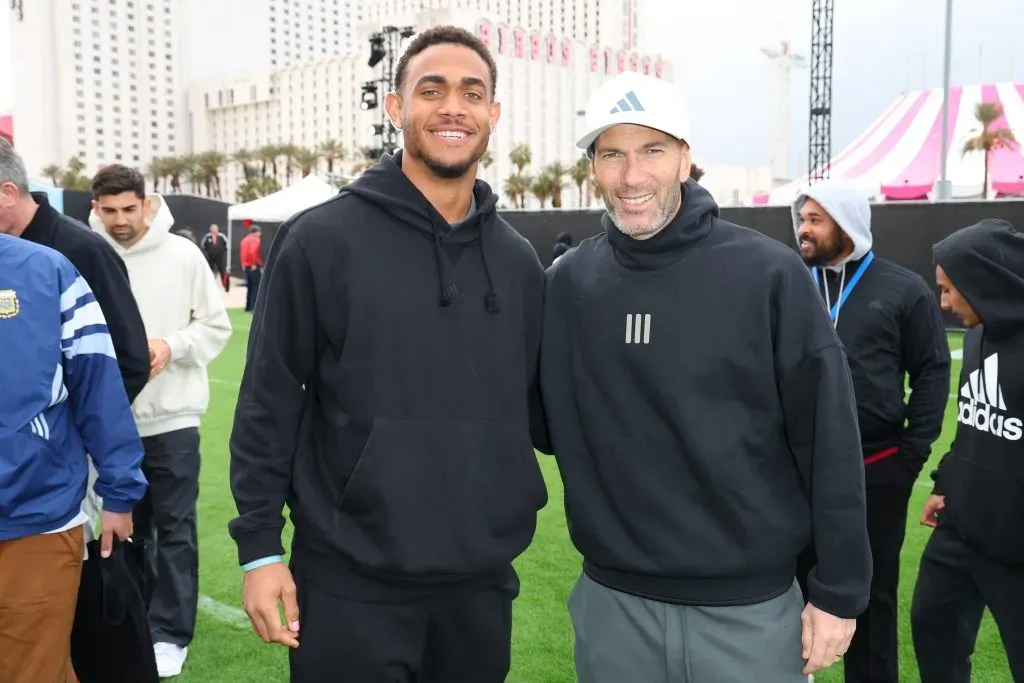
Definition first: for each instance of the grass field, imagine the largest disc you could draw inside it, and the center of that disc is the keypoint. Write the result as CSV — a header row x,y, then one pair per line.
x,y
226,651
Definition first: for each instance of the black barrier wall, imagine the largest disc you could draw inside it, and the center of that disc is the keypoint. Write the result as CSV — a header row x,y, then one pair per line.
x,y
903,232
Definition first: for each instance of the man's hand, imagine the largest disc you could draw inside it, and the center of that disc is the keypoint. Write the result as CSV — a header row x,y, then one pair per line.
x,y
263,590
930,516
159,356
825,638
112,523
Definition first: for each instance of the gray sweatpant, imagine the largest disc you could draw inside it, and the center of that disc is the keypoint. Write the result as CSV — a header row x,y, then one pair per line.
x,y
621,638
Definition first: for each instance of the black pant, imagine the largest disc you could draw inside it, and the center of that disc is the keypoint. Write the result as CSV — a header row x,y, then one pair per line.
x,y
954,586
219,266
252,286
873,656
433,640
166,518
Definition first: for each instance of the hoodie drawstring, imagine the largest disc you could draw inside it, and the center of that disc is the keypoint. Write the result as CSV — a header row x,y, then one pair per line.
x,y
449,290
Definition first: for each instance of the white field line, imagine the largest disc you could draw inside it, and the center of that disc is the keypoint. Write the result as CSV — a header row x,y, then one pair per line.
x,y
232,616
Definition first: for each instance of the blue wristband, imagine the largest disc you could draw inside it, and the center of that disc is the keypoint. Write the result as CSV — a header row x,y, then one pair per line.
x,y
262,562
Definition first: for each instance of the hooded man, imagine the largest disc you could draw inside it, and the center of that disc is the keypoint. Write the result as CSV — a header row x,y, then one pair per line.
x,y
703,418
891,328
389,397
975,556
188,327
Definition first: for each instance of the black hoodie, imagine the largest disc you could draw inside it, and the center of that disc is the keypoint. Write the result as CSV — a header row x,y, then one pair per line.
x,y
982,476
703,416
389,392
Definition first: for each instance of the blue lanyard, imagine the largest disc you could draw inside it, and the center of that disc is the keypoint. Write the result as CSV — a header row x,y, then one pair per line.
x,y
845,294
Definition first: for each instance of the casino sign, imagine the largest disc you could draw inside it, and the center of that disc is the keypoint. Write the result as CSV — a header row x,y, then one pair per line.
x,y
534,46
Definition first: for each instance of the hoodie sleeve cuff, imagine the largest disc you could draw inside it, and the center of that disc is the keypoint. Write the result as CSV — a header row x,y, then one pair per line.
x,y
177,348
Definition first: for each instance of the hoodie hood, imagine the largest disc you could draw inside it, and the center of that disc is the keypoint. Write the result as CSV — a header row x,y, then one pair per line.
x,y
386,186
849,208
985,262
692,223
159,219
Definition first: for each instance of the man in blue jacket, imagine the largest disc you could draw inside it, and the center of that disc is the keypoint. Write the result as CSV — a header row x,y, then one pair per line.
x,y
62,398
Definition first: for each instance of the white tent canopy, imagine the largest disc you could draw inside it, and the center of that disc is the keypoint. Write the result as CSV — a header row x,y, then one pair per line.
x,y
282,205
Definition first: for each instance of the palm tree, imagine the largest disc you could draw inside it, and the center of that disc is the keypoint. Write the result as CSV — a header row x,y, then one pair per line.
x,y
520,156
305,160
288,152
557,173
543,187
516,188
580,174
53,172
174,168
988,139
244,158
268,156
209,164
331,151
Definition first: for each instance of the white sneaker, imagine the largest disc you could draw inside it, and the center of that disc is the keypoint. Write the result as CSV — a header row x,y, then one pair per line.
x,y
169,659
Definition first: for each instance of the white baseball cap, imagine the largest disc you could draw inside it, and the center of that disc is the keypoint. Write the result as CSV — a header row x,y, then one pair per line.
x,y
632,97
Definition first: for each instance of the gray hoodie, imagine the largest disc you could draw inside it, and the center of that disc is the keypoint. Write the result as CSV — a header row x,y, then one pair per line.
x,y
849,208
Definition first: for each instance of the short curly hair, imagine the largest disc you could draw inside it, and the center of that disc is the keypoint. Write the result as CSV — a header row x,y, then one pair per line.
x,y
118,178
444,35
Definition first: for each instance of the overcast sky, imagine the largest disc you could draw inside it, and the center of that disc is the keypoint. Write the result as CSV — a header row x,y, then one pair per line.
x,y
882,47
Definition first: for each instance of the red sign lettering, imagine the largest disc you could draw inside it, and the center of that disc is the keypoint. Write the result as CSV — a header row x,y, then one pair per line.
x,y
483,32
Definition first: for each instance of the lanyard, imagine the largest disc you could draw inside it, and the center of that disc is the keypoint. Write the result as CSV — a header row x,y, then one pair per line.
x,y
844,292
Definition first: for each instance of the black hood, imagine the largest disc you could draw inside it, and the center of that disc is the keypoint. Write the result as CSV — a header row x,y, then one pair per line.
x,y
386,186
691,224
985,262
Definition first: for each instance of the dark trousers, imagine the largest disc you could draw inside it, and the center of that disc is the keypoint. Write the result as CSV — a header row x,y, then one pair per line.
x,y
166,519
219,266
954,586
252,286
433,640
873,656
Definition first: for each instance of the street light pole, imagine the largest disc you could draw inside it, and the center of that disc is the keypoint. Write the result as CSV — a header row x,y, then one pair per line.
x,y
943,189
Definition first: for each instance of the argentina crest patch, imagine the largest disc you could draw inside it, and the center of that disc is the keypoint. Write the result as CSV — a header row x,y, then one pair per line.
x,y
9,305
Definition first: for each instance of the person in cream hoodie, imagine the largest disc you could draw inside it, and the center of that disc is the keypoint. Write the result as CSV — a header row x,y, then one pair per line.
x,y
187,326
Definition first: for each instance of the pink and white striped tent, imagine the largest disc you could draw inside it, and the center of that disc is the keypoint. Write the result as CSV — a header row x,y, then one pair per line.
x,y
898,156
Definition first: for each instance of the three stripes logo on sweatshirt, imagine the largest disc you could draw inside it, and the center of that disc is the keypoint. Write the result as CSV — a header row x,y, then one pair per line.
x,y
982,406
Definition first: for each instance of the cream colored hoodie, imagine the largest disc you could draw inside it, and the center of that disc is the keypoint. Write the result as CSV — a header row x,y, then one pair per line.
x,y
181,303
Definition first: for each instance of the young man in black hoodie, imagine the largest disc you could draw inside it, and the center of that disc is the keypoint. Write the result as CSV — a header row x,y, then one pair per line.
x,y
975,556
389,398
703,417
891,328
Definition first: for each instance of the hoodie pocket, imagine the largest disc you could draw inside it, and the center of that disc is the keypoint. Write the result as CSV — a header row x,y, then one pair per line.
x,y
436,498
987,508
34,478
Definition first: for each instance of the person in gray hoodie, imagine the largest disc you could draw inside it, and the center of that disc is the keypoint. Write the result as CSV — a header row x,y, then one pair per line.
x,y
891,327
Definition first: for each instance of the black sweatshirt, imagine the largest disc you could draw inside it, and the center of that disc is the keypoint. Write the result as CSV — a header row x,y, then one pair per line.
x,y
891,328
389,392
107,275
982,476
703,416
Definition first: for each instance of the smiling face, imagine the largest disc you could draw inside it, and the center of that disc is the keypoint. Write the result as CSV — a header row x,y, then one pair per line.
x,y
819,237
638,171
446,109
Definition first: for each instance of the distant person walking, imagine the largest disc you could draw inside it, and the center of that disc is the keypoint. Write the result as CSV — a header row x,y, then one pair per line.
x,y
188,327
250,256
63,402
215,248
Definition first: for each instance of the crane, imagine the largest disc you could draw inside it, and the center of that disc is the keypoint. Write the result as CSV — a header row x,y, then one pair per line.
x,y
787,60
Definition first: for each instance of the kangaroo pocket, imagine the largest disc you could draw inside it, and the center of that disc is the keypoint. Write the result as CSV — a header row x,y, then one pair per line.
x,y
987,508
440,498
34,480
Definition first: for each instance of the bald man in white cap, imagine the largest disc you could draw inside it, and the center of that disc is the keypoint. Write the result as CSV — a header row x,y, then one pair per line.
x,y
704,421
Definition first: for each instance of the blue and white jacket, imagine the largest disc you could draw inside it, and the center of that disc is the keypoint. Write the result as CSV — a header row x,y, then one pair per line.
x,y
61,397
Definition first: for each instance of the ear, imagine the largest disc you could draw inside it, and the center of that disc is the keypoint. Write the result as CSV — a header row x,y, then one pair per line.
x,y
95,205
147,207
393,106
495,113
